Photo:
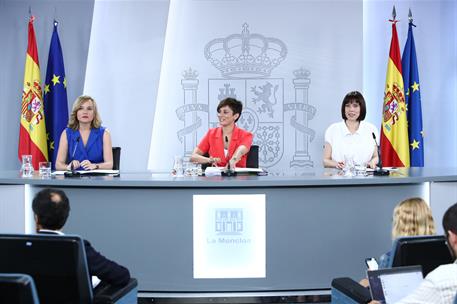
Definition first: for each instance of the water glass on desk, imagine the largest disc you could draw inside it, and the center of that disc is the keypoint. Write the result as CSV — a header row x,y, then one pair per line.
x,y
360,169
198,170
178,169
348,165
27,166
188,168
44,169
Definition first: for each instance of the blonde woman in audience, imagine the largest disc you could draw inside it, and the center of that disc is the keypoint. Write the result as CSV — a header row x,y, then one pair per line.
x,y
411,217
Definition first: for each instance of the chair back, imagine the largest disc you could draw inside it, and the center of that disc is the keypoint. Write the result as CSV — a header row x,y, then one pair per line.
x,y
347,291
17,288
108,294
57,264
116,158
252,160
428,251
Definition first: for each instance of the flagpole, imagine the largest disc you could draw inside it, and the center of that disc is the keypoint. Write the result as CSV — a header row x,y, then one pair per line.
x,y
410,18
394,131
413,98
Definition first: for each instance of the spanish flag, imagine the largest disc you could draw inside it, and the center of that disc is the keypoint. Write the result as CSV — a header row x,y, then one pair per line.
x,y
394,131
32,130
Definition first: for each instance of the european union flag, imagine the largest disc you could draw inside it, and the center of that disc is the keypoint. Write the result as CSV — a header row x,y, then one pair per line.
x,y
413,101
55,96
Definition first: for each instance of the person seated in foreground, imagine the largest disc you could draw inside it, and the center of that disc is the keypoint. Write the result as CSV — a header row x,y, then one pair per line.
x,y
51,209
440,285
226,145
411,217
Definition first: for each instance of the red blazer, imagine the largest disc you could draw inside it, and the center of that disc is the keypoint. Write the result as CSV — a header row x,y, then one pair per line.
x,y
213,144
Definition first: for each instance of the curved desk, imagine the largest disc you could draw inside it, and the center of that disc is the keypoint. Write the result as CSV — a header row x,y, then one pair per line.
x,y
319,225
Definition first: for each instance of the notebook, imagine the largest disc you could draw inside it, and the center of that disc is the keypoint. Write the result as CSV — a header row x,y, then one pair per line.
x,y
393,284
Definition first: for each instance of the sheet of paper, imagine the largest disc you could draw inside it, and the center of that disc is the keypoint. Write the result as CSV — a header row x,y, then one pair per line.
x,y
83,172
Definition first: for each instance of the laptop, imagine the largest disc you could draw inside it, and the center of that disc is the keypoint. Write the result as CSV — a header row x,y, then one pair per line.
x,y
393,284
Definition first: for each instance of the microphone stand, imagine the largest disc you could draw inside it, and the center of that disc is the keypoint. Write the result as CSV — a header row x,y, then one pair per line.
x,y
229,171
379,171
73,172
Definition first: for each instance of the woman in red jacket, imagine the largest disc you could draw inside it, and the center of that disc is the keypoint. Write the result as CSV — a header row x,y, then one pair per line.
x,y
226,144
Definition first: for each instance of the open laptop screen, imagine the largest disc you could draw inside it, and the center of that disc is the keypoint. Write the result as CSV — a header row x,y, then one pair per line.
x,y
392,284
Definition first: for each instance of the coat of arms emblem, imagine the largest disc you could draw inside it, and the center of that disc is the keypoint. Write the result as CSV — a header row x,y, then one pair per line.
x,y
245,62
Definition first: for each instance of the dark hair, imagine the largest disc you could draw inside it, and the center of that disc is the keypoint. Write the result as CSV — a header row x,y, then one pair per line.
x,y
51,207
235,105
450,219
357,97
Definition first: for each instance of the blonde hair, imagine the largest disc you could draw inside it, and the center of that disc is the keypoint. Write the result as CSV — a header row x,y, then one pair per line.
x,y
73,122
412,217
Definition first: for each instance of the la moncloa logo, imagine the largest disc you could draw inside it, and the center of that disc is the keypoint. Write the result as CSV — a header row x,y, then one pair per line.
x,y
229,221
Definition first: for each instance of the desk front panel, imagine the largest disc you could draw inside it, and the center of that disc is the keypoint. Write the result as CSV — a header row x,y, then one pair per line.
x,y
313,234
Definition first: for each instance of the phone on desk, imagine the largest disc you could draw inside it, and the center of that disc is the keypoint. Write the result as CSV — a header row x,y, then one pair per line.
x,y
372,264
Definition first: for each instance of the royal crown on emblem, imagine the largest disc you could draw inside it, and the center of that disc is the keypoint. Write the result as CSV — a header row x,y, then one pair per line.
x,y
245,55
190,74
302,73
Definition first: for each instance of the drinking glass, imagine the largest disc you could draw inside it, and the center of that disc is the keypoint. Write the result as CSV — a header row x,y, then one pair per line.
x,y
44,169
348,165
198,171
27,166
188,168
360,169
178,169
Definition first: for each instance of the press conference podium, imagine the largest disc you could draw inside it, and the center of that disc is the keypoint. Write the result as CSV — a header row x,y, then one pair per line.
x,y
58,266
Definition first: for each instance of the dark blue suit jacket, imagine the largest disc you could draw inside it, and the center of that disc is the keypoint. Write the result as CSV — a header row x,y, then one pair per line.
x,y
106,270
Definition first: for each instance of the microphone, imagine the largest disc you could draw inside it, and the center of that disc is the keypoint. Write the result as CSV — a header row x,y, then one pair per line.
x,y
73,172
73,155
229,171
379,171
74,150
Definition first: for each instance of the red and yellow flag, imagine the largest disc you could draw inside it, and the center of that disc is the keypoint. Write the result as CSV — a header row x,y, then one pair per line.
x,y
394,132
32,130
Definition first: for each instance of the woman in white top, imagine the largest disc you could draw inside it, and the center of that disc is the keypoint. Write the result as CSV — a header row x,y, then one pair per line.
x,y
351,138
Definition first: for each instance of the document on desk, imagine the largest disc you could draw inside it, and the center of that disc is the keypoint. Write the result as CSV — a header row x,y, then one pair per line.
x,y
215,171
90,172
248,170
390,169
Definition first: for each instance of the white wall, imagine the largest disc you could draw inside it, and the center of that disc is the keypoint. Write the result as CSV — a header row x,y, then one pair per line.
x,y
122,73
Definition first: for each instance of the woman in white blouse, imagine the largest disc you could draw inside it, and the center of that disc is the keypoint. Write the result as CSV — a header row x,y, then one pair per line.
x,y
352,138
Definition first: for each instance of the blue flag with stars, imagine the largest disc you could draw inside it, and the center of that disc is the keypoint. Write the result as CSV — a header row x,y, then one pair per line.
x,y
413,101
55,96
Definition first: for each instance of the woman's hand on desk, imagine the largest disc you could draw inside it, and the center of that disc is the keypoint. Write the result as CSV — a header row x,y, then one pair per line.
x,y
340,165
73,165
213,161
87,165
232,163
372,164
